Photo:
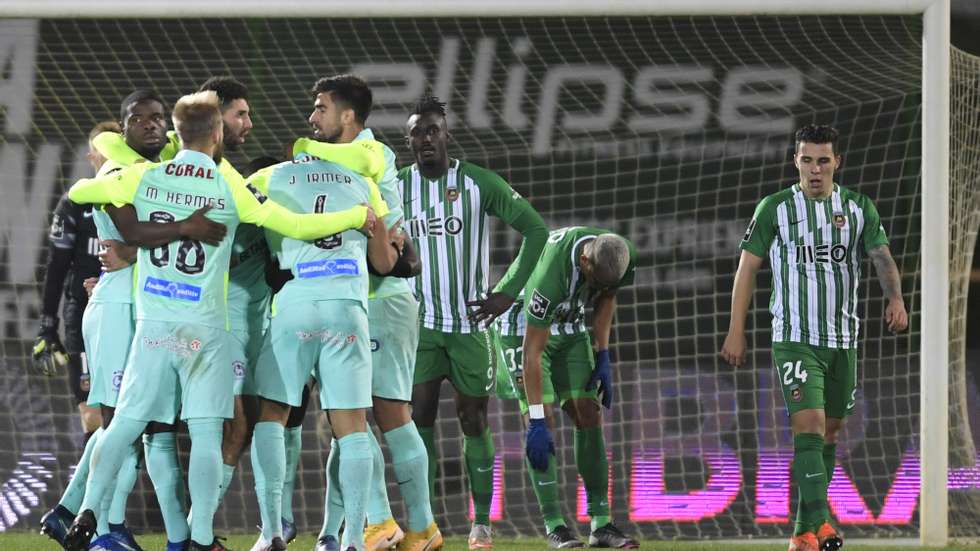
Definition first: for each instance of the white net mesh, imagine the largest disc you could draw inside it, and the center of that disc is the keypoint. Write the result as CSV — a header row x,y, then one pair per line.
x,y
668,130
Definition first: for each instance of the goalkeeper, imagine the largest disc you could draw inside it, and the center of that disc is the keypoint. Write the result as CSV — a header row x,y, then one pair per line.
x,y
578,265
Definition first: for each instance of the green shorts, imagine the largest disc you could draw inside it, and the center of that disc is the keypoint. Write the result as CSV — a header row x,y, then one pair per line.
x,y
816,377
566,366
328,338
393,322
468,360
107,329
173,367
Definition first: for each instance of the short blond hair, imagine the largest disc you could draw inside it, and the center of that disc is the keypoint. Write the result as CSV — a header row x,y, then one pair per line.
x,y
196,116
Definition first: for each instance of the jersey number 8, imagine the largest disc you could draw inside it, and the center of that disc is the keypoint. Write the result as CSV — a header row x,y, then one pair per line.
x,y
160,256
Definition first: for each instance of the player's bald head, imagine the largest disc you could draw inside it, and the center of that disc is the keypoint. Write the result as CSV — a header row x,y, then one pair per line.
x,y
610,257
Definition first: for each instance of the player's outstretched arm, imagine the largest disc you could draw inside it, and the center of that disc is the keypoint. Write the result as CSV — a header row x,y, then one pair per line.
x,y
254,207
117,188
538,440
896,317
733,351
382,252
366,157
149,235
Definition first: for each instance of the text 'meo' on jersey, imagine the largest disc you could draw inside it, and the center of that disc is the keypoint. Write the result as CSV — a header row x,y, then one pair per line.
x,y
333,267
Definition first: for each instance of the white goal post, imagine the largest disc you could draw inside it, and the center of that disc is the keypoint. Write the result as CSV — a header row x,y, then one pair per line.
x,y
933,505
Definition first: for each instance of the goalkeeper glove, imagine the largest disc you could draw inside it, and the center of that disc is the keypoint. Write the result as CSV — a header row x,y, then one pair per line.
x,y
602,378
49,355
539,444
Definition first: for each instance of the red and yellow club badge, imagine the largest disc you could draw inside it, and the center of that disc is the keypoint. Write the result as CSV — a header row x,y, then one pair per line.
x,y
840,220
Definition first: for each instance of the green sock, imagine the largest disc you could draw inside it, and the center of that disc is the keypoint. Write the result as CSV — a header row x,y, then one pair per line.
x,y
545,486
810,476
411,464
378,508
478,453
294,446
355,470
269,467
75,491
125,481
829,460
160,451
593,467
204,474
429,439
333,510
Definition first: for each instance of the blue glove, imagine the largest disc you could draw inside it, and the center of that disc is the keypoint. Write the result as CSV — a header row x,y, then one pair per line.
x,y
539,444
602,376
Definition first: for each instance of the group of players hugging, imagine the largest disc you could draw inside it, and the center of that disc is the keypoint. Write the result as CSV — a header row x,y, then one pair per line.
x,y
221,298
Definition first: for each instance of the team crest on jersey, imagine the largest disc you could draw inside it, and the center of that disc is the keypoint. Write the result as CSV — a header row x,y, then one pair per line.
x,y
539,305
117,380
239,369
840,220
452,193
57,230
748,231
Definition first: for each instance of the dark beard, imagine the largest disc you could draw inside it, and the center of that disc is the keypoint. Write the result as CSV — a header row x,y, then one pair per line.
x,y
151,153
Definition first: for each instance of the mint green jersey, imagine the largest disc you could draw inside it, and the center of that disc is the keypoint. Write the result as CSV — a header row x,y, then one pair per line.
x,y
815,249
185,282
247,289
390,188
557,292
114,286
309,184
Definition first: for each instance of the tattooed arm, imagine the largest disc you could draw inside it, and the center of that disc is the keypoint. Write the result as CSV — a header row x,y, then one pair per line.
x,y
896,317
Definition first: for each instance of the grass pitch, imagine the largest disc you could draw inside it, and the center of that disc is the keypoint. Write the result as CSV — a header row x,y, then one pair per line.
x,y
29,541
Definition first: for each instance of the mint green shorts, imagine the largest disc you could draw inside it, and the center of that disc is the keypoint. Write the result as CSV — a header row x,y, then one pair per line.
x,y
177,367
394,326
328,338
107,329
244,351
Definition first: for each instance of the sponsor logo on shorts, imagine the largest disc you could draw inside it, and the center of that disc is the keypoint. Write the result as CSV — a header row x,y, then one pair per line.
x,y
117,380
539,305
375,345
239,368
327,336
172,289
329,267
184,348
796,394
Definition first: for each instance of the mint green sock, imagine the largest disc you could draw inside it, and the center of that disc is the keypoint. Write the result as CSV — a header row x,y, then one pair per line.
x,y
75,491
160,453
378,508
204,475
128,473
293,438
478,453
411,464
107,457
333,510
227,473
356,466
269,467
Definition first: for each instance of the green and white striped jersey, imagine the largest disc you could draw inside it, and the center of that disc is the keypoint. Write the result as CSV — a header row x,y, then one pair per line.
x,y
448,221
557,286
816,262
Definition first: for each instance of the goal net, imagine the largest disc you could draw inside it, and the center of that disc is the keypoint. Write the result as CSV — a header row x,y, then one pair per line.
x,y
668,130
